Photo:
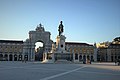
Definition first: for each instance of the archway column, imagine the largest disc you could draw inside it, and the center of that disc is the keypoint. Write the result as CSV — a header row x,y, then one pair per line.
x,y
73,55
95,54
23,56
78,57
3,56
32,52
82,56
13,57
86,57
17,57
8,57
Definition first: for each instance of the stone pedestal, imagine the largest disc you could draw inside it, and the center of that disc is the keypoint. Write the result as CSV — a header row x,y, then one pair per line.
x,y
60,44
58,52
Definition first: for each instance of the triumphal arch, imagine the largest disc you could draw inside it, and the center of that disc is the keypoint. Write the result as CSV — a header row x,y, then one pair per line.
x,y
37,35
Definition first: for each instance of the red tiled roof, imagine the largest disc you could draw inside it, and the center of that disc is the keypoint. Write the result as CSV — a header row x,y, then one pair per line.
x,y
10,41
76,43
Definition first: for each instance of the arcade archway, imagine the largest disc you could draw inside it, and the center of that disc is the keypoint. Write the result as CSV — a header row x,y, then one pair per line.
x,y
39,50
6,57
10,57
15,57
1,57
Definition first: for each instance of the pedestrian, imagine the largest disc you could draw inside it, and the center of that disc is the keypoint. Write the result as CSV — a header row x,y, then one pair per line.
x,y
115,61
118,62
90,61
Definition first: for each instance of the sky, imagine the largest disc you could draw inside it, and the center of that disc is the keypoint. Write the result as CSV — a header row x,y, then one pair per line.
x,y
86,21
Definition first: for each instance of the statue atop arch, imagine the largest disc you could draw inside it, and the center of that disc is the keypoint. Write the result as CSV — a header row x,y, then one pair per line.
x,y
60,28
40,28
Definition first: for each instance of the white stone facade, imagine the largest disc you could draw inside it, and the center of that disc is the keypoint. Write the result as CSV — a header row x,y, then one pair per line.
x,y
39,35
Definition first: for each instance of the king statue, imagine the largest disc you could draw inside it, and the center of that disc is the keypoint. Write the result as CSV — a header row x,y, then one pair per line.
x,y
60,28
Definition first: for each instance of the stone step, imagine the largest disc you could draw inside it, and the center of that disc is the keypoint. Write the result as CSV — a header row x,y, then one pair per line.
x,y
63,61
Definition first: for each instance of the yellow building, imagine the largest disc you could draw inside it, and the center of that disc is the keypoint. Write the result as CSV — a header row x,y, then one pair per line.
x,y
113,52
81,51
11,50
108,51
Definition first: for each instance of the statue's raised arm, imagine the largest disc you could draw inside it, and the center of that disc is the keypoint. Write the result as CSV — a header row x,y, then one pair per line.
x,y
60,28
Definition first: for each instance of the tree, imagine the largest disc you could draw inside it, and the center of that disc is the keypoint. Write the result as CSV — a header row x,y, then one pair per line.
x,y
117,39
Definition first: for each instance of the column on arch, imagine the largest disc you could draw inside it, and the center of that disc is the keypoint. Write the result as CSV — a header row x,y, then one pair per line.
x,y
32,52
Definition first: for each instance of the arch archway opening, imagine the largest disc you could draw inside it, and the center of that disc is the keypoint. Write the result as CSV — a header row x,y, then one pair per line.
x,y
6,57
15,57
39,49
20,57
1,57
80,58
10,57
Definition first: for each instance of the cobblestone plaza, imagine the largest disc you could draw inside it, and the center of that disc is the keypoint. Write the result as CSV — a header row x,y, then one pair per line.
x,y
58,71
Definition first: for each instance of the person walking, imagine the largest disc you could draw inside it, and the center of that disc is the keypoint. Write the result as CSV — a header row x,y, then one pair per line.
x,y
115,61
